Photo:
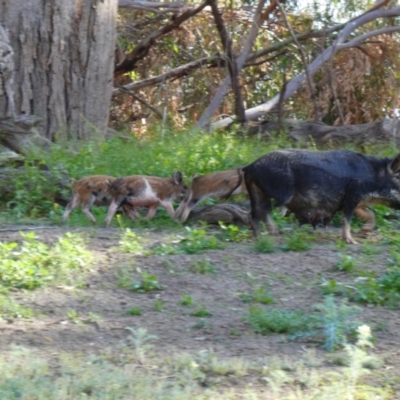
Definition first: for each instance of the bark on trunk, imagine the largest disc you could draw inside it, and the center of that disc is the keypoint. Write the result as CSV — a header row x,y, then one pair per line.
x,y
64,60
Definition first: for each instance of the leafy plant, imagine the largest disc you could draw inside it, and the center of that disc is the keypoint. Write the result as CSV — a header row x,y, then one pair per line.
x,y
197,241
258,295
129,242
158,305
10,309
147,283
201,312
233,233
186,300
346,263
264,244
336,321
332,322
266,321
140,338
33,263
135,311
296,241
203,267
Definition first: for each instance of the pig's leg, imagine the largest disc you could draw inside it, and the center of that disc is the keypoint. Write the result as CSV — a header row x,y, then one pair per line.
x,y
261,208
348,213
86,208
71,205
189,207
366,215
112,209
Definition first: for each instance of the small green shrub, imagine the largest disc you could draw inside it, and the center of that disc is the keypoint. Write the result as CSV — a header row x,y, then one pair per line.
x,y
158,305
148,283
136,311
197,241
346,263
10,309
296,241
164,249
336,321
201,312
264,244
203,267
186,300
33,264
258,295
130,243
332,323
266,321
141,339
232,233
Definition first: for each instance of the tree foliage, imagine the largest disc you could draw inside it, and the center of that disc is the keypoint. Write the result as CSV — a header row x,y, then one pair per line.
x,y
352,72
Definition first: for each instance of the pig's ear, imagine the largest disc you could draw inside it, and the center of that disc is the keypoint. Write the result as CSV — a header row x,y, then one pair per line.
x,y
177,177
394,166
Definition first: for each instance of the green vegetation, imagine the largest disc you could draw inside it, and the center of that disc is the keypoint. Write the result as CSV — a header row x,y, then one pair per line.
x,y
203,267
346,263
158,305
298,240
186,300
33,195
201,312
26,375
32,263
369,288
195,241
130,242
257,295
333,323
134,311
148,283
233,233
264,244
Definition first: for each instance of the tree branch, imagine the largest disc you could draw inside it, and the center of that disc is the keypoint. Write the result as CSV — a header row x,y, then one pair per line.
x,y
294,84
231,61
259,18
142,48
153,6
304,61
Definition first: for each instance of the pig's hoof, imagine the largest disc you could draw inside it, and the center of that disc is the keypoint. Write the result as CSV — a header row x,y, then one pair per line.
x,y
350,241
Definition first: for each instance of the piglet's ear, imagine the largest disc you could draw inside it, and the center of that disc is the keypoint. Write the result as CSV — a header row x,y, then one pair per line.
x,y
177,177
394,166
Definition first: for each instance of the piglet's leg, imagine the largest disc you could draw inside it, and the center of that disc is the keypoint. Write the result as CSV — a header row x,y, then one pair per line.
x,y
86,208
111,212
169,207
151,213
181,207
366,215
130,212
71,205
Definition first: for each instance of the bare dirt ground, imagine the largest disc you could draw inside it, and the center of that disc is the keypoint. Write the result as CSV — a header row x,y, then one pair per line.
x,y
294,280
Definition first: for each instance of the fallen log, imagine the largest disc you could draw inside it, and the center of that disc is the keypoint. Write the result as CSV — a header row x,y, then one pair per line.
x,y
305,132
227,213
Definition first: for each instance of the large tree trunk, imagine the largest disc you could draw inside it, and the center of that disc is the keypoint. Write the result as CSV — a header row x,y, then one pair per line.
x,y
64,61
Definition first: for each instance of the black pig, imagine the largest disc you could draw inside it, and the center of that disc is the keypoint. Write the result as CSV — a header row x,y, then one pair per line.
x,y
319,184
